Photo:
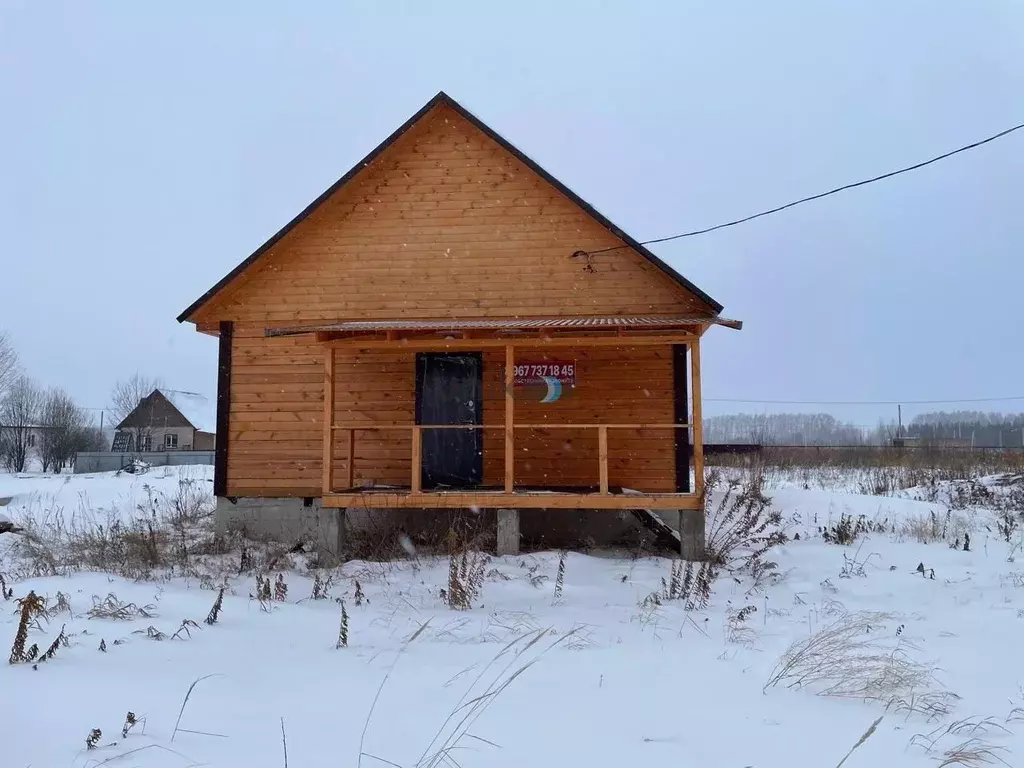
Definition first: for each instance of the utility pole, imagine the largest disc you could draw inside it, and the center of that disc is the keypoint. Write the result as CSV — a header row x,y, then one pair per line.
x,y
899,416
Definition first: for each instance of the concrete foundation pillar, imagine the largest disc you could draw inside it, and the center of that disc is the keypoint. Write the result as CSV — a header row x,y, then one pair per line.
x,y
692,544
508,531
341,539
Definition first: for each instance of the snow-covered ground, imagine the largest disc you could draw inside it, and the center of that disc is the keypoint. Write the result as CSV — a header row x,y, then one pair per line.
x,y
604,675
93,495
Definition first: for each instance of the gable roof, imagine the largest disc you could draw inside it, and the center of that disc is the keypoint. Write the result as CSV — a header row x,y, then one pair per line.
x,y
445,99
172,409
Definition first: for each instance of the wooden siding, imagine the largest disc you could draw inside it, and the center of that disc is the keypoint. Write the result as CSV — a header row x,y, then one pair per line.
x,y
277,416
275,446
614,385
446,223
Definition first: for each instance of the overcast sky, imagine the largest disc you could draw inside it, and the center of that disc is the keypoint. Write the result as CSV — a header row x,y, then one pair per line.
x,y
146,151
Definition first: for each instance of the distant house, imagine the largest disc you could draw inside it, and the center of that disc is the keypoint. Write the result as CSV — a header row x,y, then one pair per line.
x,y
33,436
168,420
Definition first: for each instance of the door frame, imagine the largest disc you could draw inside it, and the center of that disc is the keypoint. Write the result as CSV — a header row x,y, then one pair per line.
x,y
477,434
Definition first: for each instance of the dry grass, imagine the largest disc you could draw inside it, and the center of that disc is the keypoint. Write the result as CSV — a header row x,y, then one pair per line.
x,y
465,579
849,658
864,737
505,667
883,470
738,628
110,607
162,536
972,753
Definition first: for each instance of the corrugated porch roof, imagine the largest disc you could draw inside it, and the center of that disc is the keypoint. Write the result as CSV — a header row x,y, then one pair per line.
x,y
582,322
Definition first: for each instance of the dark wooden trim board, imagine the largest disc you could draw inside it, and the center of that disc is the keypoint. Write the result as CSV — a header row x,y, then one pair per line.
x,y
682,416
220,457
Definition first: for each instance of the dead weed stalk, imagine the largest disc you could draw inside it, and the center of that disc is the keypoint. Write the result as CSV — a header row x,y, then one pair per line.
x,y
30,608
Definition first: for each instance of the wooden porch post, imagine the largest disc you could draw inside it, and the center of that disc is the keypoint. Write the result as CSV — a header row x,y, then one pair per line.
x,y
510,439
602,457
698,423
416,483
328,473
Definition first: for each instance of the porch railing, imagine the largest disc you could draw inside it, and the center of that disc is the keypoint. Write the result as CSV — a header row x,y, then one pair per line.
x,y
508,426
416,430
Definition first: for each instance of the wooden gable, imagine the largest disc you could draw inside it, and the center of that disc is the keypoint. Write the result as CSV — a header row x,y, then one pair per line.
x,y
447,220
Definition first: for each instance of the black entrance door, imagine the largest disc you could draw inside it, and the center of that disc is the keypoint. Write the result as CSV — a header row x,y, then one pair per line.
x,y
449,388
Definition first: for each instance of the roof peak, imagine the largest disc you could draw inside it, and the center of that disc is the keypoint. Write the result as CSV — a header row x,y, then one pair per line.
x,y
442,97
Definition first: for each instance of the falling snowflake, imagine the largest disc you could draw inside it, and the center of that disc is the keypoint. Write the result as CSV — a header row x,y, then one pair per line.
x,y
407,545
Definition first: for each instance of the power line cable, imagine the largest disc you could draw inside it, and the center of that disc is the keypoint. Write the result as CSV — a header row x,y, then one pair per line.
x,y
833,191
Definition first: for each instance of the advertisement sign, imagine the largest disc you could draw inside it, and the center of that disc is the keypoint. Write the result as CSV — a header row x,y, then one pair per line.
x,y
542,372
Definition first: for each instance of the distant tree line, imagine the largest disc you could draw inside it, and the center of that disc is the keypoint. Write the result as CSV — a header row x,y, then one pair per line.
x,y
43,422
982,430
46,424
782,429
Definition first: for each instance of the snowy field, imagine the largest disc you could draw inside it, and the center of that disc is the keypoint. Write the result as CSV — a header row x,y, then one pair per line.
x,y
605,670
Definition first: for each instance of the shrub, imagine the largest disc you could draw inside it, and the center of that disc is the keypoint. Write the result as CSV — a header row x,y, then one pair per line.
x,y
846,530
742,526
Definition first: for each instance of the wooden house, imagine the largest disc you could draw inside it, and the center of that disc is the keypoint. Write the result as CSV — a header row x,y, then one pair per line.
x,y
448,326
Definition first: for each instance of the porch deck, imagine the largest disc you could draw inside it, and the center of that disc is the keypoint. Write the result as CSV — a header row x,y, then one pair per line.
x,y
498,498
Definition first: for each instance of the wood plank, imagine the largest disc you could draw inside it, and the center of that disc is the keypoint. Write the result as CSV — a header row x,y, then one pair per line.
x,y
350,478
602,457
518,500
697,418
417,459
328,418
440,344
510,436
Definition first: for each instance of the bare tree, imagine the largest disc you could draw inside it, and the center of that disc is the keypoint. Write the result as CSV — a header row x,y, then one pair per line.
x,y
8,363
19,417
64,428
125,398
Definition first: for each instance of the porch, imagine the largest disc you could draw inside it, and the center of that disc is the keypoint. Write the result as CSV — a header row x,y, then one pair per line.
x,y
509,339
